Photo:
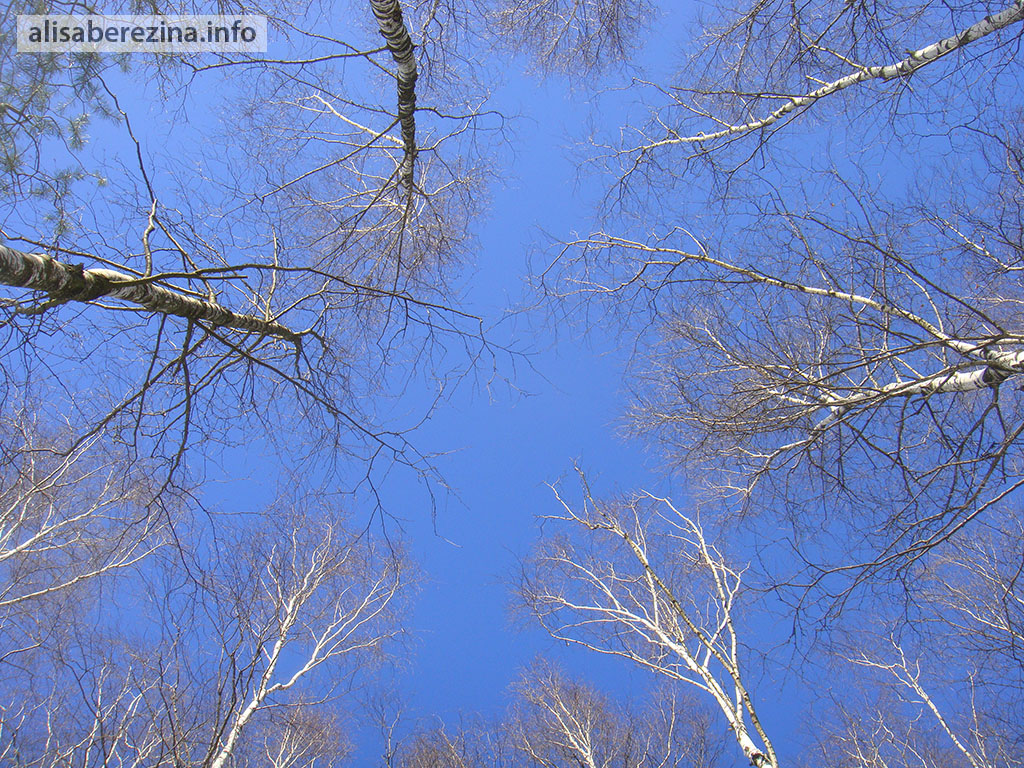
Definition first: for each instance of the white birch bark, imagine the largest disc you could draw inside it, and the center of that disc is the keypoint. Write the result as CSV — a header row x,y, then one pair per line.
x,y
900,69
301,638
388,14
591,601
985,362
908,674
71,282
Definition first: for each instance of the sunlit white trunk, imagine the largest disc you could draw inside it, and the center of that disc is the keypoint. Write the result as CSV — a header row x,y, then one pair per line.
x,y
71,282
904,68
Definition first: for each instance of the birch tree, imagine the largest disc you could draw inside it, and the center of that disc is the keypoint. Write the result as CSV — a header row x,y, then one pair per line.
x,y
244,662
577,37
200,305
559,721
812,245
935,682
953,686
640,581
437,748
261,275
948,692
70,517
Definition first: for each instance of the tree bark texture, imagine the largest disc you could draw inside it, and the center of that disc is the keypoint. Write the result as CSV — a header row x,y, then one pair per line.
x,y
71,282
392,26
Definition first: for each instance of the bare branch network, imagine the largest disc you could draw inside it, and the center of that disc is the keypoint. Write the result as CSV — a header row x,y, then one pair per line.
x,y
208,309
619,600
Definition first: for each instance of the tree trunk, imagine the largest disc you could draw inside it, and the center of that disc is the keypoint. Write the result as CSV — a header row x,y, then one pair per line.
x,y
70,282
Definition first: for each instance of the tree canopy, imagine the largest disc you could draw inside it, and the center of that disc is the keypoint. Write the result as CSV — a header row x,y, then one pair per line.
x,y
234,287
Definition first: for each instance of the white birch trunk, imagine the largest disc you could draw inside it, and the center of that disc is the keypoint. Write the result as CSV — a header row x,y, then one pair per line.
x,y
70,282
908,66
396,36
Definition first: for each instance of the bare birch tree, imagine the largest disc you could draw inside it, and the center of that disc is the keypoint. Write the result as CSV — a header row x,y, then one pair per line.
x,y
813,246
241,666
951,689
437,748
576,37
556,721
638,580
194,301
302,266
559,721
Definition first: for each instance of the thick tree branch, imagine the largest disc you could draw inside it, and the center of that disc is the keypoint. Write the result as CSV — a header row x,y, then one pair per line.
x,y
70,282
989,361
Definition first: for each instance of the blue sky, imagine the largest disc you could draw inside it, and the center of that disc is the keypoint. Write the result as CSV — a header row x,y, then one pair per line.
x,y
562,403
566,405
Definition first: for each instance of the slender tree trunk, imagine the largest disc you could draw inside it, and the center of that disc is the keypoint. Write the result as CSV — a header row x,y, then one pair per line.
x,y
1012,14
71,282
396,35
